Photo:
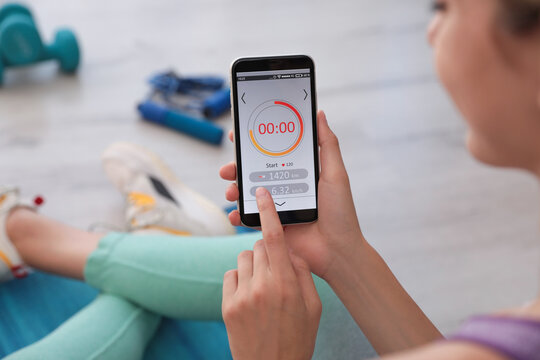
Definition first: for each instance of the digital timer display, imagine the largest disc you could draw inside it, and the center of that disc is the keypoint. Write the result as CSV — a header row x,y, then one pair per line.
x,y
276,138
282,127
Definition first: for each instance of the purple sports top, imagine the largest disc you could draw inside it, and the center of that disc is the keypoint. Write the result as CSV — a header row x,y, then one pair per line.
x,y
513,337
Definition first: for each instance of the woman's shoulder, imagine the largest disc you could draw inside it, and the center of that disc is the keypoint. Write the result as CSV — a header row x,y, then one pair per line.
x,y
508,334
449,350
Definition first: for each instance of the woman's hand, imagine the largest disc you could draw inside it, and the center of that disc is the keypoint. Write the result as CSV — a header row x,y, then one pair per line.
x,y
332,237
270,305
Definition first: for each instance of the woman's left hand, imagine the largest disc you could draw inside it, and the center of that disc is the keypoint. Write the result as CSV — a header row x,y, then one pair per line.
x,y
270,305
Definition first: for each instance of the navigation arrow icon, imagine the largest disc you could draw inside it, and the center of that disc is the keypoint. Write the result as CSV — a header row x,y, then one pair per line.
x,y
305,97
244,94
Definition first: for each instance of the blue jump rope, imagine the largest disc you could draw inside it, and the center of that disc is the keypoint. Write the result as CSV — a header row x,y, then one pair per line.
x,y
186,104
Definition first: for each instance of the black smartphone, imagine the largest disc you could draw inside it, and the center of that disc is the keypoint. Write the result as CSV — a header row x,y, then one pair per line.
x,y
275,133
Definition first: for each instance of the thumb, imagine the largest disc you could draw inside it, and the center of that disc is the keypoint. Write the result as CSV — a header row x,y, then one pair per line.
x,y
331,160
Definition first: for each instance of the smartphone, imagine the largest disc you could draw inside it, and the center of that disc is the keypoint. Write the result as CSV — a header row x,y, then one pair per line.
x,y
275,134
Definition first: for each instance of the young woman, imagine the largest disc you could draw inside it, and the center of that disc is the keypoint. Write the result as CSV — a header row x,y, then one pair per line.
x,y
488,57
487,54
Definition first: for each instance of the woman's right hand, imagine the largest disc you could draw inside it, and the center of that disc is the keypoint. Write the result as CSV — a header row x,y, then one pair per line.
x,y
328,240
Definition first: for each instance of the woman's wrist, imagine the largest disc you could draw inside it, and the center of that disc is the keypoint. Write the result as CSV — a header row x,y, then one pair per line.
x,y
387,315
344,264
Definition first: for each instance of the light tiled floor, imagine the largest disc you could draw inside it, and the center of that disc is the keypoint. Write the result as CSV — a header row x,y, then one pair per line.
x,y
461,237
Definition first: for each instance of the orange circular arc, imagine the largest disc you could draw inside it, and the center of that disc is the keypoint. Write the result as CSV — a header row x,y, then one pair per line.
x,y
270,153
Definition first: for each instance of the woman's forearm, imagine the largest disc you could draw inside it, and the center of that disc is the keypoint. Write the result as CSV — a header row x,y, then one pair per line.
x,y
387,315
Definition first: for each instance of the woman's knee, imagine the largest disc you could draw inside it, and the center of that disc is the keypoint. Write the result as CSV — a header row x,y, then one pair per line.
x,y
20,224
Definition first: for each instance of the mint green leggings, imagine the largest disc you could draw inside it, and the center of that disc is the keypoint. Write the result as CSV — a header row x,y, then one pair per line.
x,y
144,277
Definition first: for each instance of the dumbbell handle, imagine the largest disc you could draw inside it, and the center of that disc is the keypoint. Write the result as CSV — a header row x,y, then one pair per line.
x,y
200,129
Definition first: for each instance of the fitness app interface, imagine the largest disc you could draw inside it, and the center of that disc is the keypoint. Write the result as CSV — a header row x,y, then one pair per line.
x,y
276,138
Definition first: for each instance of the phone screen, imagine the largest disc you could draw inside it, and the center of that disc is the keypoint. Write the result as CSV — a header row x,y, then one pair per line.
x,y
276,136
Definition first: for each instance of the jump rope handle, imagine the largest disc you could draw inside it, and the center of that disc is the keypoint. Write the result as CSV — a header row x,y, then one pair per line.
x,y
217,104
181,122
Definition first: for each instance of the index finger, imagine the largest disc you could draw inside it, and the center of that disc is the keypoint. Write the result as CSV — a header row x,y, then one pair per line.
x,y
274,241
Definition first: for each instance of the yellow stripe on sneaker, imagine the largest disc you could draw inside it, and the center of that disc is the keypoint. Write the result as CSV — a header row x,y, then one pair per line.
x,y
142,200
168,230
5,258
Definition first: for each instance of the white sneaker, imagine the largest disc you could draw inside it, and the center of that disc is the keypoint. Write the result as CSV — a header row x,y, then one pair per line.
x,y
11,264
156,200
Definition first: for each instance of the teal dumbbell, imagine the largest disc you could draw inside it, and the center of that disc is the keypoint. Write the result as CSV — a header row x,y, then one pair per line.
x,y
21,45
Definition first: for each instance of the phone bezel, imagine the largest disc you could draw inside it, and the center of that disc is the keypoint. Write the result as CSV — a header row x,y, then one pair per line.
x,y
269,63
